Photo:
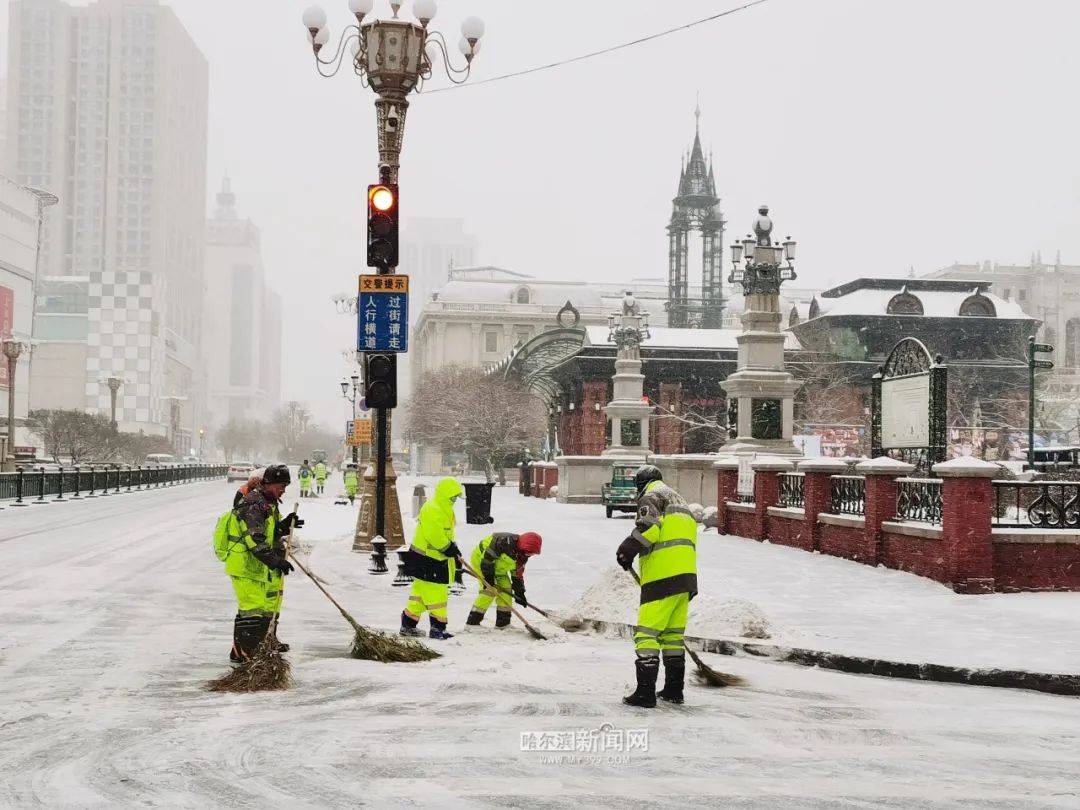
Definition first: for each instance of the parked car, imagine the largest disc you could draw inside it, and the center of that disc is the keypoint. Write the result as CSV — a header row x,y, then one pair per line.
x,y
160,459
621,494
239,471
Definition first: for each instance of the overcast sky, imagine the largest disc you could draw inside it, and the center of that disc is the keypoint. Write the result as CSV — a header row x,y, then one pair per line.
x,y
884,135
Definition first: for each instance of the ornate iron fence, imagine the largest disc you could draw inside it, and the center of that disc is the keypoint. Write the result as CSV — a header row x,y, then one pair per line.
x,y
1037,504
919,499
847,495
791,490
41,484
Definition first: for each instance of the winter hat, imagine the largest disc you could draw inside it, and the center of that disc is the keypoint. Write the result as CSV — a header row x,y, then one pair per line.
x,y
529,544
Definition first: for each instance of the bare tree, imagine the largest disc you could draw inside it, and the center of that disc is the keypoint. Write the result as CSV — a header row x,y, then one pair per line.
x,y
290,422
461,410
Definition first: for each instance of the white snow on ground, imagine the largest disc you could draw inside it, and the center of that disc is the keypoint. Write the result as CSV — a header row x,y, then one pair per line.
x,y
114,613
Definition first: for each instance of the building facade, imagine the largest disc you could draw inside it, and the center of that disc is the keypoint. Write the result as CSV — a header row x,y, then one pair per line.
x,y
107,107
241,319
20,215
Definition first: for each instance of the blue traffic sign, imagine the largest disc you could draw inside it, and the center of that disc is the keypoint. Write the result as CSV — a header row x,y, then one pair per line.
x,y
383,314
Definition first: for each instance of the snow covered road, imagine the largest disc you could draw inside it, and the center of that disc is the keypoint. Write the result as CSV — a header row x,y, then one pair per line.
x,y
113,613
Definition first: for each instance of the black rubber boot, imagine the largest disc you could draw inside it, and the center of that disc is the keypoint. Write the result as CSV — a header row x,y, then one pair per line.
x,y
475,617
674,675
502,618
248,633
438,630
645,695
408,625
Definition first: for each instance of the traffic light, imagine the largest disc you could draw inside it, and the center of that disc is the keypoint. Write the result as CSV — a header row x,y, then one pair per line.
x,y
380,380
382,226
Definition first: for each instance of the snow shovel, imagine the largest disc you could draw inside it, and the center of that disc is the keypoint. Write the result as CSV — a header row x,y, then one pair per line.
x,y
707,676
532,630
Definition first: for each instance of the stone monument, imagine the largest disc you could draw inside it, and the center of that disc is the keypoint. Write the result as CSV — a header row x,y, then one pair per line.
x,y
761,392
628,411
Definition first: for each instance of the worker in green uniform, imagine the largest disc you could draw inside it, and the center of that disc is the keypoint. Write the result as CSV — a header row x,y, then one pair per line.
x,y
305,475
352,482
251,541
665,538
500,559
431,562
320,476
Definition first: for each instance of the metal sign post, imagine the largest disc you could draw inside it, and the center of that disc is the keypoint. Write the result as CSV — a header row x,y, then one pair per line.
x,y
1034,349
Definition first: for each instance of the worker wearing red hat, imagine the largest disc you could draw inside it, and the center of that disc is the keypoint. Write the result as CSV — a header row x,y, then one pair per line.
x,y
500,558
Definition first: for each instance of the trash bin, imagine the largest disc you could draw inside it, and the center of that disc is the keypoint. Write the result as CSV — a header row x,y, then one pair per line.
x,y
478,503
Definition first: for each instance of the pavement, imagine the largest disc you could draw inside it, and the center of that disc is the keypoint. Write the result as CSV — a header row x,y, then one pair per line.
x,y
114,614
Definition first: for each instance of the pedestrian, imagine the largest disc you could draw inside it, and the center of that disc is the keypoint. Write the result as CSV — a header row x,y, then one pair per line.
x,y
431,562
665,537
352,482
320,475
305,475
251,541
500,558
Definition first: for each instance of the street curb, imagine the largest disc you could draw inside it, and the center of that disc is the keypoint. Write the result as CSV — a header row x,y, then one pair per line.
x,y
1049,682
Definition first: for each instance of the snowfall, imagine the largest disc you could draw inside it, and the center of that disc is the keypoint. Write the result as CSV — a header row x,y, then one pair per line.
x,y
114,613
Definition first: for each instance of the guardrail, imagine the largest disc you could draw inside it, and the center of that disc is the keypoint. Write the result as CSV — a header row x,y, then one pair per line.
x,y
919,500
792,493
1036,504
847,495
40,485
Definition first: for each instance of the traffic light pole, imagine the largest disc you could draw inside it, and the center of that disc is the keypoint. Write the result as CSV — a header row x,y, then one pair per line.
x,y
1031,404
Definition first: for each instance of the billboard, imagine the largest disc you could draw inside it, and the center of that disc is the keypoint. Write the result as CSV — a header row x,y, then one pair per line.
x,y
905,412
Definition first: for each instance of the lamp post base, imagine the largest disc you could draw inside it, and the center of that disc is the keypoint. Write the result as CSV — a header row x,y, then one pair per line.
x,y
365,521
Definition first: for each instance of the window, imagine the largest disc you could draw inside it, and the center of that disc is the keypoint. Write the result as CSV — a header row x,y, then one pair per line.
x,y
1021,294
521,335
491,342
977,305
904,303
522,295
1006,293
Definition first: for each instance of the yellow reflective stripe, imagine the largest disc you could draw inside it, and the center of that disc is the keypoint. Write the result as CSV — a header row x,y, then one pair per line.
x,y
436,605
647,631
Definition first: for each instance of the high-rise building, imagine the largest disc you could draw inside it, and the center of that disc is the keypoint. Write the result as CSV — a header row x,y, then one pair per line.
x,y
107,107
242,319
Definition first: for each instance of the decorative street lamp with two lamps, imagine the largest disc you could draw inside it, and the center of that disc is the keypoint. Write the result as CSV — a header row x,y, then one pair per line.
x,y
13,349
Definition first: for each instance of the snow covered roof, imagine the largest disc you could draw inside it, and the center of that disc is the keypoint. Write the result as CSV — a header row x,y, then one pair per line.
x,y
548,293
663,337
939,299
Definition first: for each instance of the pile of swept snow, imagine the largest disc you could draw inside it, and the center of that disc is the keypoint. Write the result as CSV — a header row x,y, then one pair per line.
x,y
614,597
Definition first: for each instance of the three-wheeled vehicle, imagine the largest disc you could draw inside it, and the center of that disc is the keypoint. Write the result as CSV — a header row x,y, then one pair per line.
x,y
621,494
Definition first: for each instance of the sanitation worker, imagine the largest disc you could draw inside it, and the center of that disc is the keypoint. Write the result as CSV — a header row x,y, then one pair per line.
x,y
665,538
305,475
251,542
320,476
500,559
431,562
352,482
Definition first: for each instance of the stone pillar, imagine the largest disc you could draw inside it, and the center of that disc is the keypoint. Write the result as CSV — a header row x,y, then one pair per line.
x,y
881,474
816,496
440,343
593,418
727,484
766,490
475,344
669,429
967,495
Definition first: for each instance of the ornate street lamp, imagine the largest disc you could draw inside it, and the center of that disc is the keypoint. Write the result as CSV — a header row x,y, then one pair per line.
x,y
114,384
393,57
13,348
763,269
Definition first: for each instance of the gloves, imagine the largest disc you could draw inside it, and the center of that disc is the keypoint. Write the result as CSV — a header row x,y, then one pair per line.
x,y
519,591
452,551
628,550
488,574
284,567
292,520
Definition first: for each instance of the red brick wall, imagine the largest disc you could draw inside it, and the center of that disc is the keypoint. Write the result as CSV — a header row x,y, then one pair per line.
x,y
727,482
967,504
786,531
1037,566
919,555
669,431
841,541
743,524
591,420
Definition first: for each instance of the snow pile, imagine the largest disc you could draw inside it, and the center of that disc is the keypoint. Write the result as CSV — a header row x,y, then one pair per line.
x,y
614,597
709,519
697,511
